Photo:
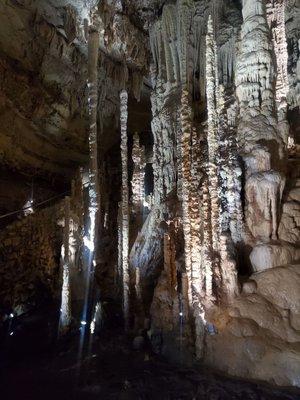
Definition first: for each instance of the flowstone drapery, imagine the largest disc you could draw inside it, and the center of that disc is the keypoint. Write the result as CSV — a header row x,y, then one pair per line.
x,y
259,136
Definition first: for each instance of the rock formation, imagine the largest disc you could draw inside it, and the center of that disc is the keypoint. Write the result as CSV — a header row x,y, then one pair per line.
x,y
155,146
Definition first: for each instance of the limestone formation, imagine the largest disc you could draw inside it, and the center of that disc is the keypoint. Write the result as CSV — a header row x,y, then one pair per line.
x,y
150,180
138,177
125,206
66,313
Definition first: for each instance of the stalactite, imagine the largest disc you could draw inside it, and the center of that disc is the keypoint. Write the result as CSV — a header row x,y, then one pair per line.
x,y
184,8
170,39
125,206
255,79
276,21
65,309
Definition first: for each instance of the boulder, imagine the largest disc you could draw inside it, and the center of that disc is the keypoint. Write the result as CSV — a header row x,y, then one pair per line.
x,y
266,256
280,286
294,194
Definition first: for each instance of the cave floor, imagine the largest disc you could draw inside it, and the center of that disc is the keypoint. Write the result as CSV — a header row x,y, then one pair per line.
x,y
113,371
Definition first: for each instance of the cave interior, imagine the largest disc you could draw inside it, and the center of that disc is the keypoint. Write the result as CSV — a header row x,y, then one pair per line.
x,y
150,199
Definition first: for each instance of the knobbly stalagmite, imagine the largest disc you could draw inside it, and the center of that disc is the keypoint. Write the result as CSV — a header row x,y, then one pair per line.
x,y
158,142
125,206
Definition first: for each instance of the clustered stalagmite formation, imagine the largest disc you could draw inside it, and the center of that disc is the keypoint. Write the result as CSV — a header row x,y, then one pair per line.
x,y
223,83
243,112
210,267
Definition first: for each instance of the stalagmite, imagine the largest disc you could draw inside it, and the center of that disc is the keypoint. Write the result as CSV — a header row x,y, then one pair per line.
x,y
65,308
190,238
125,206
212,130
212,95
138,176
169,257
91,232
206,249
94,200
189,206
229,172
186,169
233,171
120,243
195,222
254,80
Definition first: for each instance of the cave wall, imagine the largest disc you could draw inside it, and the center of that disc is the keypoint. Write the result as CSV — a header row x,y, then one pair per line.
x,y
29,259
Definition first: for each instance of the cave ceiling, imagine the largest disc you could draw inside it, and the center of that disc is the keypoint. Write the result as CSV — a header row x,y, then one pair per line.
x,y
43,83
43,72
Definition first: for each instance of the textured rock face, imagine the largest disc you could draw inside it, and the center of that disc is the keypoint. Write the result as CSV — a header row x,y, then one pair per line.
x,y
258,335
239,203
30,251
224,85
290,221
266,256
263,193
43,91
43,68
34,251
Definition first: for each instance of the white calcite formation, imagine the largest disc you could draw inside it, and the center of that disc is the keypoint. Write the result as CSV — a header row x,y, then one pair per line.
x,y
65,308
208,268
266,256
125,206
94,200
222,175
276,21
258,122
138,177
197,156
